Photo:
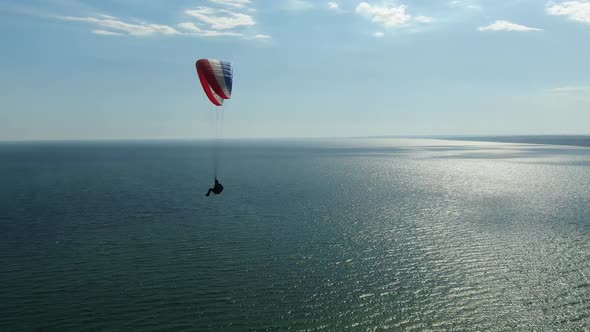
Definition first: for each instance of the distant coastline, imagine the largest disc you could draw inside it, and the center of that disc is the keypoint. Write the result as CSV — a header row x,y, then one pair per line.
x,y
573,140
570,140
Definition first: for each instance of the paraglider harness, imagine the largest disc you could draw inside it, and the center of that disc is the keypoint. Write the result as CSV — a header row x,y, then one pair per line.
x,y
217,188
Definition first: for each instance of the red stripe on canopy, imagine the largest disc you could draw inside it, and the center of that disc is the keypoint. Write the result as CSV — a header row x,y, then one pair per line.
x,y
205,82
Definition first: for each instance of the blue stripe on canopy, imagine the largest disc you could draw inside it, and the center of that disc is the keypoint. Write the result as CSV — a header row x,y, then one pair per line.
x,y
227,74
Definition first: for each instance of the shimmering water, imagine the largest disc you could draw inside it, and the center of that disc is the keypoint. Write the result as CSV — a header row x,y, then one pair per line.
x,y
356,235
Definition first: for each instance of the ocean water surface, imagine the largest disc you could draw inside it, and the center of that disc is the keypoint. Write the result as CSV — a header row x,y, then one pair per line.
x,y
345,235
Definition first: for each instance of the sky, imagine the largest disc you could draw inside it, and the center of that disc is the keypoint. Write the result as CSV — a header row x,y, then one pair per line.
x,y
124,69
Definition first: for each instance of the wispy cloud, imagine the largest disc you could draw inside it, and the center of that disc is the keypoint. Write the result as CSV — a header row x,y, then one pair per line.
x,y
390,15
465,4
578,11
336,8
221,19
507,26
298,5
423,19
263,37
105,33
231,19
233,3
572,91
117,26
378,34
189,28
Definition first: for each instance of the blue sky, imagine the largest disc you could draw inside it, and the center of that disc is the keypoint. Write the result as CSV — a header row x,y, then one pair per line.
x,y
74,69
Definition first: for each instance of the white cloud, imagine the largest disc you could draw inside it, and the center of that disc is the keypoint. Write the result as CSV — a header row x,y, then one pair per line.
x,y
222,22
578,11
507,26
423,19
233,3
388,15
105,33
335,7
190,26
465,4
379,34
192,29
572,91
107,16
221,19
117,26
206,21
298,5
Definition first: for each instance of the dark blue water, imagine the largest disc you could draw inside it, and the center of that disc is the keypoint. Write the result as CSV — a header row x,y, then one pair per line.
x,y
360,235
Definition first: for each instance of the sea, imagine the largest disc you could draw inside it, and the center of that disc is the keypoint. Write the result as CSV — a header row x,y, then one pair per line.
x,y
373,234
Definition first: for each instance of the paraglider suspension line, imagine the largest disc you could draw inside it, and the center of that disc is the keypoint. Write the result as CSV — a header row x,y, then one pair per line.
x,y
218,127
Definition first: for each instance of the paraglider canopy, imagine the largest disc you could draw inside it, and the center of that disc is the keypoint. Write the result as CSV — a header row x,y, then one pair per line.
x,y
216,77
